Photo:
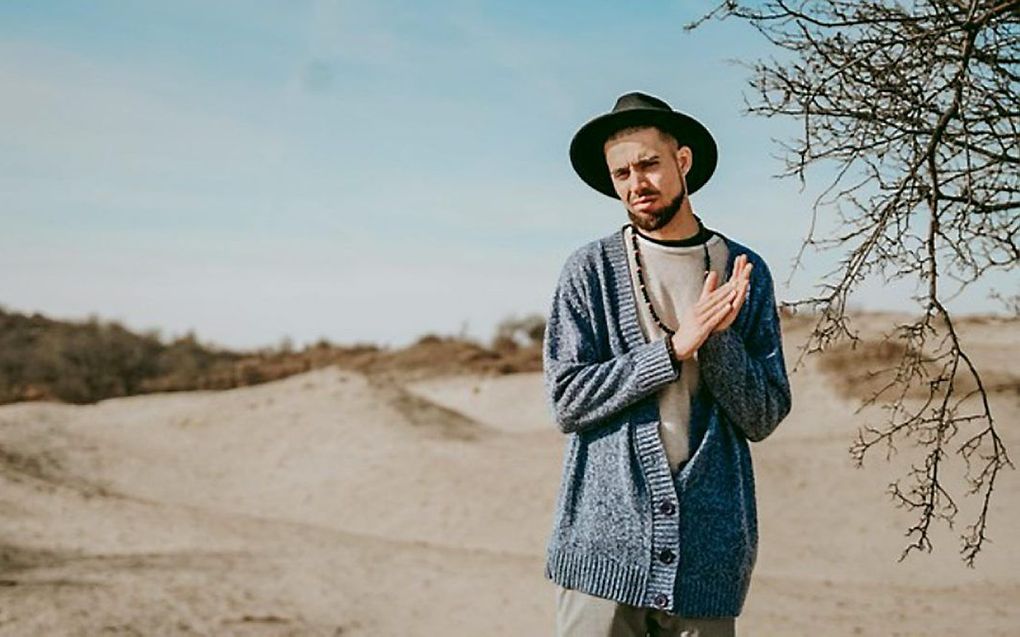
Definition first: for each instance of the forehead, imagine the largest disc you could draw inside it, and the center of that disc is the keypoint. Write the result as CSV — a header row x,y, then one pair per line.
x,y
634,147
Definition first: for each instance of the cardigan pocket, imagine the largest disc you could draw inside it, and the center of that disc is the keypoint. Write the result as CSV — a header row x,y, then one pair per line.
x,y
603,512
731,552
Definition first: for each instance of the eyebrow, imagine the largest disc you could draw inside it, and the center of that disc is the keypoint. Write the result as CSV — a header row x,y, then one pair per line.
x,y
640,159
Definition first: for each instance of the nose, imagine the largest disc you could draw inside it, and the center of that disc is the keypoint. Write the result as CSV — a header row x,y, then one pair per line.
x,y
639,181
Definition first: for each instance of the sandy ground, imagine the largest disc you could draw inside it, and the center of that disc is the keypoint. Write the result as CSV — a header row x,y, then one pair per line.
x,y
331,503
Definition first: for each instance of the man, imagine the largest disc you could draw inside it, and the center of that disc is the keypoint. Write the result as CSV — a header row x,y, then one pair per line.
x,y
660,376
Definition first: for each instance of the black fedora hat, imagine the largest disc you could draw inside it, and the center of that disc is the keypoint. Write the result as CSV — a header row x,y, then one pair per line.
x,y
638,109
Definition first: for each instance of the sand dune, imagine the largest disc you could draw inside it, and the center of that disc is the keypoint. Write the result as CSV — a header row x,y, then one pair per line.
x,y
333,503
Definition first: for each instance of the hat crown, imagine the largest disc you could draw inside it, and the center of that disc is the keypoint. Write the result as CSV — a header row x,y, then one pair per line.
x,y
630,101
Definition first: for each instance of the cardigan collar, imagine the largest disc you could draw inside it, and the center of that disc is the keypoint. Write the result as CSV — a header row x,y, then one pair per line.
x,y
617,249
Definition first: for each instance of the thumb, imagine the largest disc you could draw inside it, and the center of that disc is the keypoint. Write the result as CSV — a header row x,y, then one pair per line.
x,y
710,280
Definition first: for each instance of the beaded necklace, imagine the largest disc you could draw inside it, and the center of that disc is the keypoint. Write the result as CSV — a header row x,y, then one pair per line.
x,y
641,278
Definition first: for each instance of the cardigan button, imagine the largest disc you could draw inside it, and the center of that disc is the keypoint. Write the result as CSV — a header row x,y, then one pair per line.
x,y
661,600
667,556
666,507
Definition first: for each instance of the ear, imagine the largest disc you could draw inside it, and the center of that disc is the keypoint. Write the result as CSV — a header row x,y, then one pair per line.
x,y
684,159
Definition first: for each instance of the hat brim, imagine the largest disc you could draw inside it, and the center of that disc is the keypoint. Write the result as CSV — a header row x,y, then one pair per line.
x,y
587,154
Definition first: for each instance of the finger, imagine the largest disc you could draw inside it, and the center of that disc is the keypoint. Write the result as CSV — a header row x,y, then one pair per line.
x,y
747,277
739,265
738,302
709,284
718,317
721,292
706,308
734,301
738,284
741,299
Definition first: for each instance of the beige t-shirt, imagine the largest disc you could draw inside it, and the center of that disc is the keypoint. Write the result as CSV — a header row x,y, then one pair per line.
x,y
673,278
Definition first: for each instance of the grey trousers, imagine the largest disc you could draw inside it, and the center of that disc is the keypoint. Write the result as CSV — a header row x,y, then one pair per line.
x,y
581,615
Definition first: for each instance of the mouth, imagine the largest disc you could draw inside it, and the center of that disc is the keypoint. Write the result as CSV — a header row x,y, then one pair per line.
x,y
647,199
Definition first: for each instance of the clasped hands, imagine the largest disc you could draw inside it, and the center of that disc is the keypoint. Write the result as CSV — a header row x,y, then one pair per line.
x,y
715,310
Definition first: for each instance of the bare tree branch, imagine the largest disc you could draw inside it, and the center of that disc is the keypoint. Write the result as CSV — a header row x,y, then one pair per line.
x,y
919,108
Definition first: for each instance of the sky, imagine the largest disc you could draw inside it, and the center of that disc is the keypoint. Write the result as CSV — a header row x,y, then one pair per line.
x,y
361,172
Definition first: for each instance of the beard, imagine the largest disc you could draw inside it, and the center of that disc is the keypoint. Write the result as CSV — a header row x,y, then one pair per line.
x,y
656,218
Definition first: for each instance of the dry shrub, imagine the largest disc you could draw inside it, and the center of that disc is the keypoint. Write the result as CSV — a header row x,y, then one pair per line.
x,y
83,362
860,371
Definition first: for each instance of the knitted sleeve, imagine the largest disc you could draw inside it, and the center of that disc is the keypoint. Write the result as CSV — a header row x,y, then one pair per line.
x,y
747,376
584,388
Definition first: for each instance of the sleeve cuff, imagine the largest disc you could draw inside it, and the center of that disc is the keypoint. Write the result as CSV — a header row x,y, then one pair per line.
x,y
654,365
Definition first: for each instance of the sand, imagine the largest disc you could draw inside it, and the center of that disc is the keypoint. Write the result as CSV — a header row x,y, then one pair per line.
x,y
331,503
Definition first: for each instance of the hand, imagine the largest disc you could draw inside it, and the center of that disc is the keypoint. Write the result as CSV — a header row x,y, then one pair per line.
x,y
740,280
697,322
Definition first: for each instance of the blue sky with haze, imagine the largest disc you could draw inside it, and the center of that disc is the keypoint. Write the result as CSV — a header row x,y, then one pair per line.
x,y
356,171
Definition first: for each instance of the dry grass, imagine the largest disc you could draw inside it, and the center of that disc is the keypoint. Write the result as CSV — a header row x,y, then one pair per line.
x,y
83,362
860,369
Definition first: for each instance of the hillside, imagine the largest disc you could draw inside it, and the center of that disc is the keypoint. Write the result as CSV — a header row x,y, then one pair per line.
x,y
344,502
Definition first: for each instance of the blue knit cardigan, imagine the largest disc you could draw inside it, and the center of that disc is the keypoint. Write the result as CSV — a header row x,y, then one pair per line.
x,y
625,528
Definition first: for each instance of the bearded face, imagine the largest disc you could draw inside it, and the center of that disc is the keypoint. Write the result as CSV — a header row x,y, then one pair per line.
x,y
645,168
